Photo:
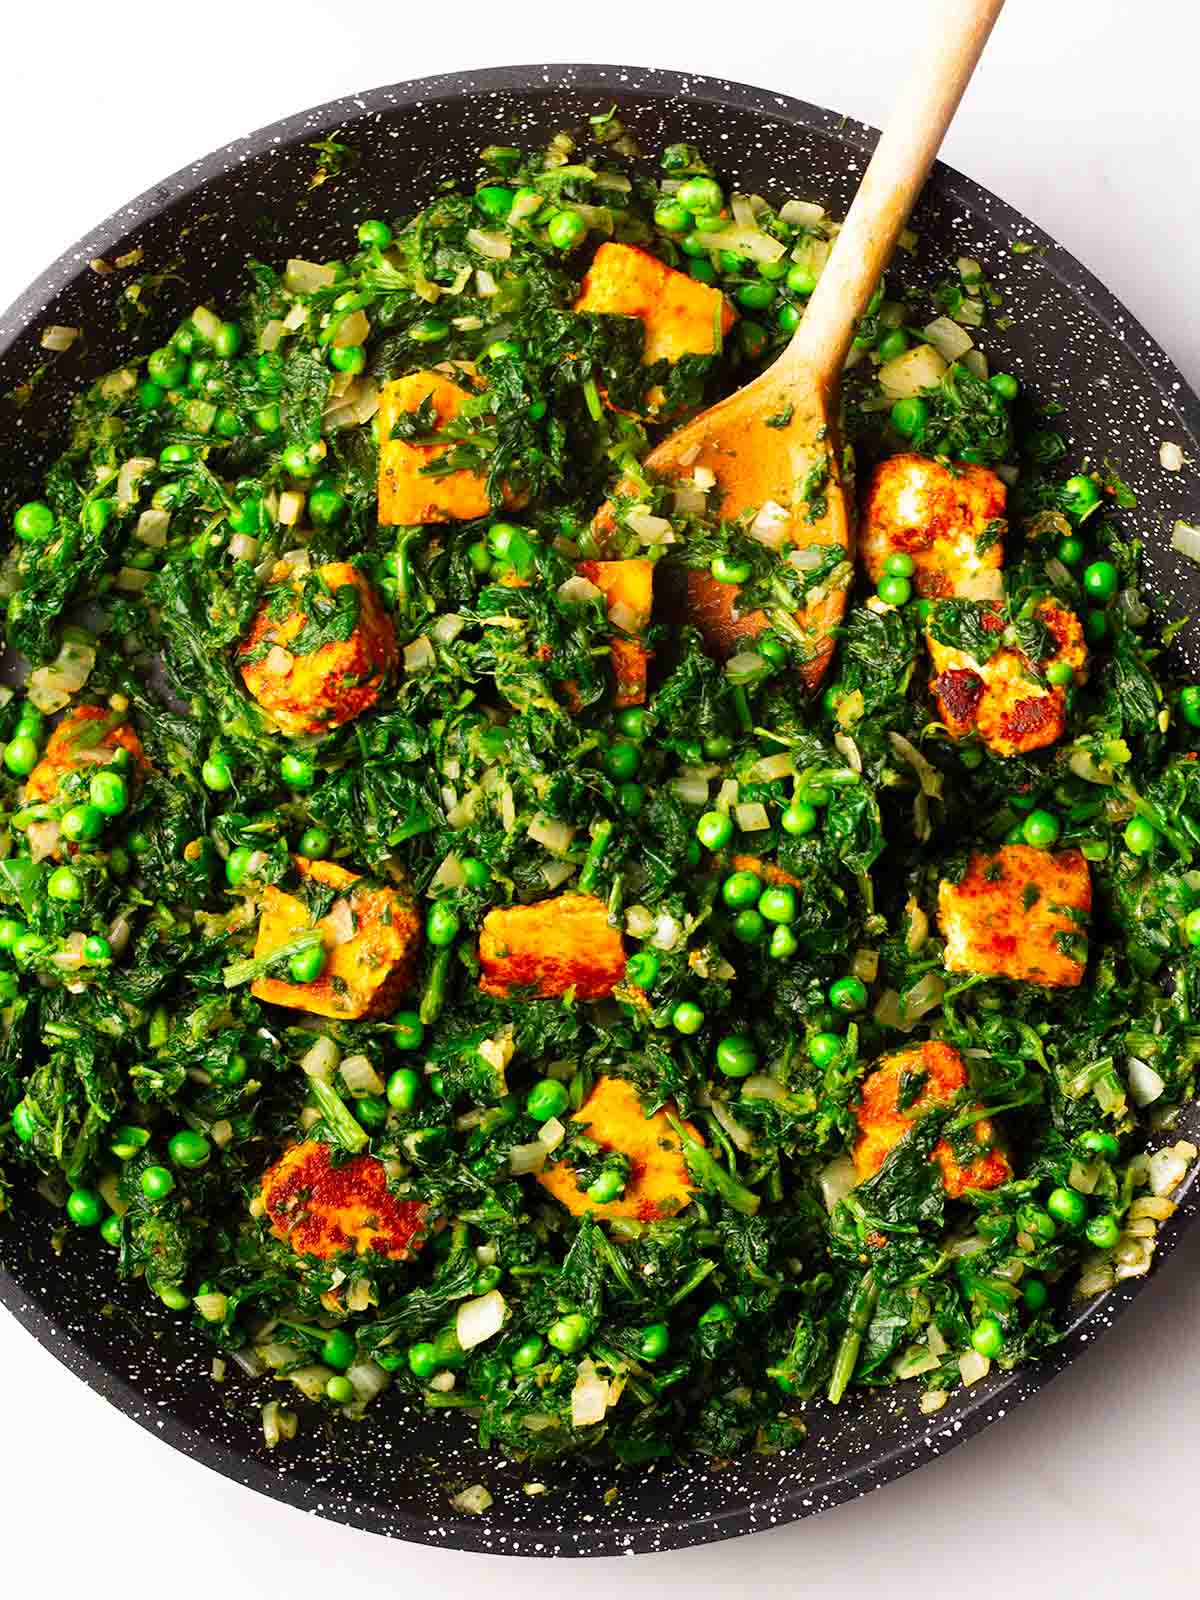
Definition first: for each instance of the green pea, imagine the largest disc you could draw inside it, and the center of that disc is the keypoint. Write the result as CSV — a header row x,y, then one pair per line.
x,y
150,395
1041,829
441,924
788,317
900,565
1095,627
717,1312
127,1141
27,948
216,774
157,1182
82,823
10,932
301,461
189,1149
692,247
714,830
848,994
632,722
687,1017
1033,1220
801,280
1070,551
268,419
700,195
403,1089
166,368
1100,580
824,1049
702,270
755,296
176,455
569,1333
655,1341
512,544
894,343
1066,1206
110,1231
1060,673
1035,1294
1103,1232
1189,704
1140,836
297,771
476,872
408,1031
631,797
503,350
607,1187
1080,496
494,200
306,966
236,865
548,1098
894,591
422,1359
98,514
741,889
96,949
717,746
1005,385
909,417
799,819
325,506
374,233
642,969
774,271
528,1353
726,571
350,358
109,793
987,1337
85,1207
565,229
749,926
20,756
1098,1143
23,1123
621,759
338,1349
778,904
752,337
672,217
736,1055
64,883
340,1390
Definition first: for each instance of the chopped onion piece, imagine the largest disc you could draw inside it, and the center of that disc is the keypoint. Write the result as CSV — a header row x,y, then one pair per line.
x,y
849,751
1145,1085
910,374
639,920
748,241
291,507
480,1319
132,580
243,547
495,246
741,1137
1133,608
933,1400
419,656
131,473
947,338
473,1502
667,931
752,816
448,627
762,1086
802,213
442,1382
552,1135
152,528
319,1060
690,501
649,529
449,875
523,1158
305,277
1168,1168
360,1076
770,525
43,839
51,687
57,338
369,1379
806,559
987,584
557,872
691,791
976,363
273,331
354,329
928,776
1170,456
278,661
221,1133
837,1180
551,834
624,618
972,1367
577,591
589,1398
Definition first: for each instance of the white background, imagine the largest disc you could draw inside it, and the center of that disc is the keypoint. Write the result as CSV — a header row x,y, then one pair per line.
x,y
1086,116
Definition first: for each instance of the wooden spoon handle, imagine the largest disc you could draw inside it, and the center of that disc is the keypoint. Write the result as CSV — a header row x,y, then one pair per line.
x,y
891,185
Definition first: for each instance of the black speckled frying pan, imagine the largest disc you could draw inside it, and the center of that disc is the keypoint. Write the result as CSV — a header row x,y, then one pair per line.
x,y
1070,339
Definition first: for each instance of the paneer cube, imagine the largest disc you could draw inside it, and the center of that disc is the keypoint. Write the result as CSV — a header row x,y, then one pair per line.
x,y
85,740
1012,710
372,939
628,588
407,498
551,947
681,316
319,650
1019,913
950,522
323,1209
921,1078
659,1184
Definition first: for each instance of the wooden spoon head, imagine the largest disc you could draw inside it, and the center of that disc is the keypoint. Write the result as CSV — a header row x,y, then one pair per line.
x,y
777,441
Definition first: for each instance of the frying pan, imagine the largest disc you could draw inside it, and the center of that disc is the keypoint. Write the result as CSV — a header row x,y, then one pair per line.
x,y
1070,341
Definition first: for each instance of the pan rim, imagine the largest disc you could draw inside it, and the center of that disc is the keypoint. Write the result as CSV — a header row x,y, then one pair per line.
x,y
627,1537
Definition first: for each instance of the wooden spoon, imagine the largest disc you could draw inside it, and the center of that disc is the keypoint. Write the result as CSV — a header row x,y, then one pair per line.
x,y
798,464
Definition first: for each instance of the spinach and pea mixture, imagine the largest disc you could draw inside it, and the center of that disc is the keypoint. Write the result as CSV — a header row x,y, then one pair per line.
x,y
426,966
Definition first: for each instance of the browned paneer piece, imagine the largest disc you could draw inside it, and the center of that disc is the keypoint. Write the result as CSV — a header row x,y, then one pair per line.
x,y
406,497
1000,697
932,1074
551,947
951,522
681,316
628,588
323,1207
372,939
353,647
1019,913
85,740
659,1184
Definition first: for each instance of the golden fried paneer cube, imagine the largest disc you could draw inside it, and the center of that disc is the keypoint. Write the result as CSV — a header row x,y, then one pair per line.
x,y
681,316
406,497
551,947
85,740
323,1208
372,940
999,698
659,1184
319,650
1019,913
628,589
951,522
930,1075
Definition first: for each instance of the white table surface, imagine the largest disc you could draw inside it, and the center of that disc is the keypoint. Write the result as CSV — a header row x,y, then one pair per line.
x,y
1086,117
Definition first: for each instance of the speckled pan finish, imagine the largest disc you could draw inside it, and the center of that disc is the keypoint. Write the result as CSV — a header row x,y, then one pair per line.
x,y
394,1473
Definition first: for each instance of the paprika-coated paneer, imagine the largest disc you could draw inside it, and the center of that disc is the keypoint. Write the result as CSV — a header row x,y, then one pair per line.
x,y
323,1208
919,1079
550,947
405,496
85,740
658,1184
1019,913
319,650
372,940
950,522
681,316
628,588
999,697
